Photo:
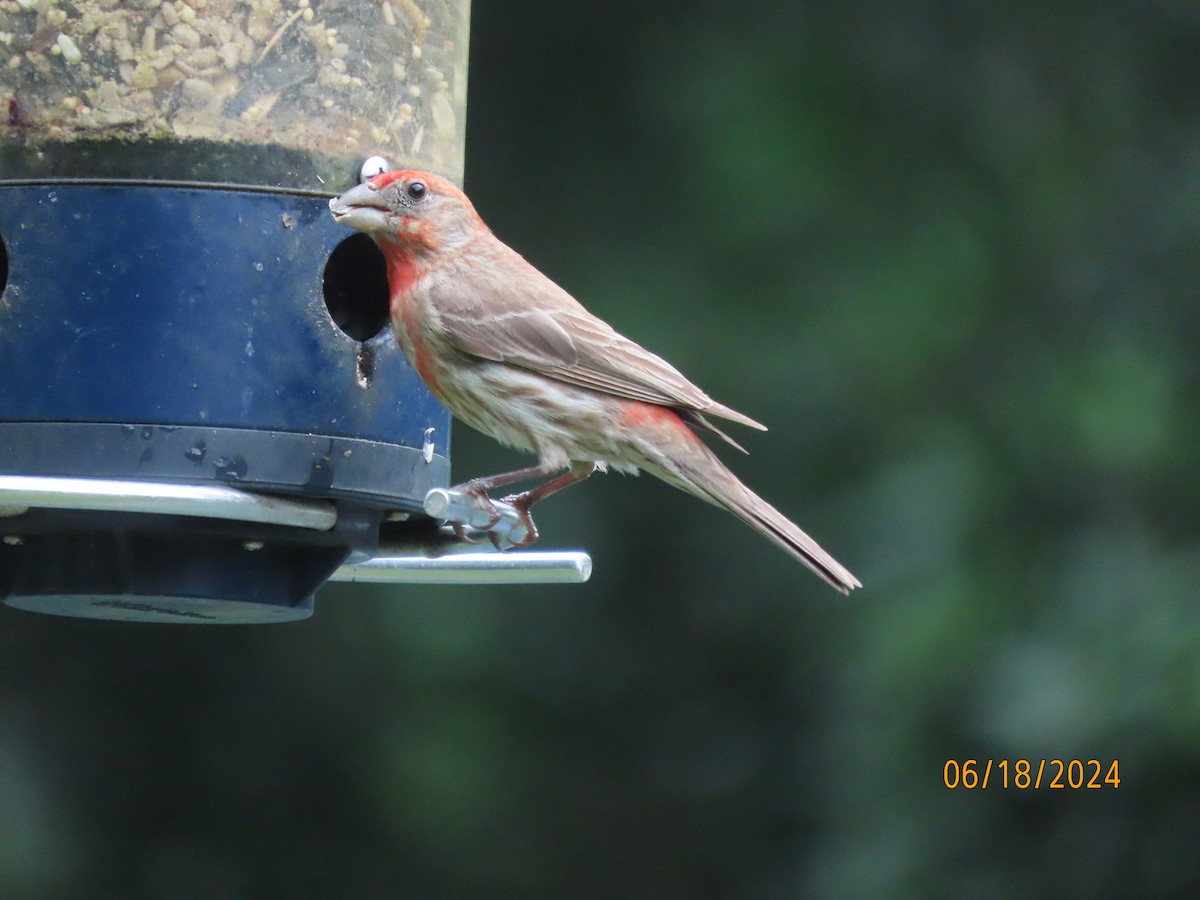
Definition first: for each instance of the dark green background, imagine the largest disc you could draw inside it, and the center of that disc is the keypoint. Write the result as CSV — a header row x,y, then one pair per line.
x,y
949,253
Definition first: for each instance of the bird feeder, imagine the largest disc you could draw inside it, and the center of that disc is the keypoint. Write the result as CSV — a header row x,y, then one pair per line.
x,y
203,415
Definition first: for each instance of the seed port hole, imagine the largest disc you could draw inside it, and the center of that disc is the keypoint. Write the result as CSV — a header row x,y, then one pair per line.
x,y
356,288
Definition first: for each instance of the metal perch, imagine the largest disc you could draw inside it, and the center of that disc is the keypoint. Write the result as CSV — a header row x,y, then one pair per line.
x,y
437,557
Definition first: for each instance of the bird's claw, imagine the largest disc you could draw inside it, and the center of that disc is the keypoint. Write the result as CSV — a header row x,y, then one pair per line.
x,y
461,533
521,503
483,502
507,521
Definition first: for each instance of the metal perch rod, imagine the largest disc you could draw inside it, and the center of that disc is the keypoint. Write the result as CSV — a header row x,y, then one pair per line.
x,y
468,567
438,558
20,492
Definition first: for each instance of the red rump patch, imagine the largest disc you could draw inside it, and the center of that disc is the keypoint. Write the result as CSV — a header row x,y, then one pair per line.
x,y
641,415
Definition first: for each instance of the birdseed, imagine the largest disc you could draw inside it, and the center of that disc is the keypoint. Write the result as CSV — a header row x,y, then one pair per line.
x,y
307,88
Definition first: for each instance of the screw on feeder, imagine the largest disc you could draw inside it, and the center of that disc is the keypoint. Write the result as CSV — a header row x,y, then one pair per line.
x,y
372,166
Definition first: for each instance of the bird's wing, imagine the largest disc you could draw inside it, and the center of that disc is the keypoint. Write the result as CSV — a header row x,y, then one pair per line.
x,y
547,331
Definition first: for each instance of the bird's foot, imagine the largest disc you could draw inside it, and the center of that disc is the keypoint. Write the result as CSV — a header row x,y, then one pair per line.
x,y
488,516
521,503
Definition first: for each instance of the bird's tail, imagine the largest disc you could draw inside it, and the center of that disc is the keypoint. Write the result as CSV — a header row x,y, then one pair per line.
x,y
701,473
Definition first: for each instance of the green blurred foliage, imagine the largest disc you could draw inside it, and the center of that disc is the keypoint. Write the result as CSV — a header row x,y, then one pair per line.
x,y
948,251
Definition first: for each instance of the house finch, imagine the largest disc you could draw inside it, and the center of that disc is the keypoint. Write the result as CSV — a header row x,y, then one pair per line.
x,y
512,354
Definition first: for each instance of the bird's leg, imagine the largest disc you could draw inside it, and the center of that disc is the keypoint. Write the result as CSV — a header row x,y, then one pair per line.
x,y
579,471
479,487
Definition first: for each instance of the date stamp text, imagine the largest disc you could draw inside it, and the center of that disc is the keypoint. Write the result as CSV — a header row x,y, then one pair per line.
x,y
1031,774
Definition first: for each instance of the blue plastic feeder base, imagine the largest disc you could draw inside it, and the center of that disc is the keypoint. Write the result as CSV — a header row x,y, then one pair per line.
x,y
198,335
168,569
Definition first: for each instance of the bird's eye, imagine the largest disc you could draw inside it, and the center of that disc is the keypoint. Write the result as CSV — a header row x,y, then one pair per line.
x,y
416,190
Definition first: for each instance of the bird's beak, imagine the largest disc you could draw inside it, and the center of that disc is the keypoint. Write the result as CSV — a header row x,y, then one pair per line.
x,y
362,207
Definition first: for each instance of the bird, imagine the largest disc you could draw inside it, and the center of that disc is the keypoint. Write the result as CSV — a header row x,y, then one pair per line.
x,y
513,355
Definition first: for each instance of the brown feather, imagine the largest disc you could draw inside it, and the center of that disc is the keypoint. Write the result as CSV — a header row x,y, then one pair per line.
x,y
695,469
697,420
545,330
